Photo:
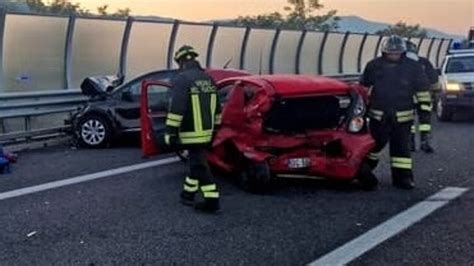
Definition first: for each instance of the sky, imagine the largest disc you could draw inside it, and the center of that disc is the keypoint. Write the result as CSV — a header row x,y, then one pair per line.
x,y
451,16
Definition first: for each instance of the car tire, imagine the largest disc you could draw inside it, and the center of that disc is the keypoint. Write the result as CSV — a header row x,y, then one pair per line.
x,y
94,131
443,113
256,178
367,180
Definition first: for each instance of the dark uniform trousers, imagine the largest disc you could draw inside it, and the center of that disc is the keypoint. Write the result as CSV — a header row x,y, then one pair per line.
x,y
200,176
397,134
424,102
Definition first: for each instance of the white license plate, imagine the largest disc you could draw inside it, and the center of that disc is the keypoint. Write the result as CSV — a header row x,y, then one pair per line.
x,y
298,163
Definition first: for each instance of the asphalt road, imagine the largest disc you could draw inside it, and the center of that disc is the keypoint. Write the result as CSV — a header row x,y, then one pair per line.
x,y
135,218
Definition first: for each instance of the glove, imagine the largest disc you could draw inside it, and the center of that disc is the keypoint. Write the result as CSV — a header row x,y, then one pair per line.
x,y
168,141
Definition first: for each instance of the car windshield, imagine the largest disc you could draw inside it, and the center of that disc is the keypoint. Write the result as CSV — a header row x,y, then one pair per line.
x,y
135,84
460,65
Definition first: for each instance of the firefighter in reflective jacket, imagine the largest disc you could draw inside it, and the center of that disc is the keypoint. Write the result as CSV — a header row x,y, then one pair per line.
x,y
394,81
424,108
193,113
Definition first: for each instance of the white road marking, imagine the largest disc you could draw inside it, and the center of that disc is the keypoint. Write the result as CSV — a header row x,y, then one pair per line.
x,y
85,178
360,245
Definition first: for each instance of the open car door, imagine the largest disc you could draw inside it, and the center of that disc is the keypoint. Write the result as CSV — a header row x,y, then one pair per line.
x,y
154,101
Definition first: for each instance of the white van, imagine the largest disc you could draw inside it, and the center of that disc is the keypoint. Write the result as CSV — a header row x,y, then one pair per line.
x,y
457,84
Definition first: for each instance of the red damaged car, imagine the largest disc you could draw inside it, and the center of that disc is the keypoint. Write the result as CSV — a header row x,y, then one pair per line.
x,y
283,126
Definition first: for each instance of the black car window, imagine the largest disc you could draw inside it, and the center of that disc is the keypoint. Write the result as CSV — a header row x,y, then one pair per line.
x,y
249,92
225,92
131,90
158,98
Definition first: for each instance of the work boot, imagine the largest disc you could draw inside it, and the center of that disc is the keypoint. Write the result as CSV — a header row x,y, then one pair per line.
x,y
367,180
426,147
187,198
404,183
425,143
208,206
372,164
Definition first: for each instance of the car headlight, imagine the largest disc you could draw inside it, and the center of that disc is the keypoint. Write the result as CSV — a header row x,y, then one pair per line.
x,y
359,108
453,86
356,125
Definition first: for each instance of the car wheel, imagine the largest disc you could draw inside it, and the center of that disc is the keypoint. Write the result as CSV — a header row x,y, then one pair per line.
x,y
367,180
443,113
256,178
94,131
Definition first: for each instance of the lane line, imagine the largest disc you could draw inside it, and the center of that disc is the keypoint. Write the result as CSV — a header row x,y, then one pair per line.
x,y
360,245
85,178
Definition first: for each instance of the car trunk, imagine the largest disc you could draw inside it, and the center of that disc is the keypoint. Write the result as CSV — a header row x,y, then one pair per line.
x,y
310,121
306,114
319,142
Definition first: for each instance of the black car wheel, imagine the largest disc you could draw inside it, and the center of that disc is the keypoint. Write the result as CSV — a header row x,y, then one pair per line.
x,y
256,178
442,112
94,131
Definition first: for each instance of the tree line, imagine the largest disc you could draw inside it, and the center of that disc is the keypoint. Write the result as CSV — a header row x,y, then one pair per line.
x,y
297,15
304,15
65,7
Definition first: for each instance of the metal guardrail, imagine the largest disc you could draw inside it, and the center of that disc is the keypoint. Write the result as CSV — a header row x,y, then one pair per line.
x,y
28,105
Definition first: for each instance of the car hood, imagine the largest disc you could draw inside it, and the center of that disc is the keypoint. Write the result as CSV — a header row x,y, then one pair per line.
x,y
460,77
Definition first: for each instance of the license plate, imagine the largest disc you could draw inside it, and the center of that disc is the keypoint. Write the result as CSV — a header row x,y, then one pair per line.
x,y
298,163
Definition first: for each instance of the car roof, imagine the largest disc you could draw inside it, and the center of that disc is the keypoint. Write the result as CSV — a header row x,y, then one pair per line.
x,y
294,85
219,74
216,73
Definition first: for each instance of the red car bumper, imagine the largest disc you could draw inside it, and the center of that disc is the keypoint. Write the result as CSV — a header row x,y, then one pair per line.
x,y
321,162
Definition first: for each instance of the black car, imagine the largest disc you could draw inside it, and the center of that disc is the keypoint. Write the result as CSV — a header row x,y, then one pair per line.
x,y
114,108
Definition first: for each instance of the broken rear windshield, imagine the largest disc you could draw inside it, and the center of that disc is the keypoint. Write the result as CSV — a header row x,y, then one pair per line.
x,y
298,115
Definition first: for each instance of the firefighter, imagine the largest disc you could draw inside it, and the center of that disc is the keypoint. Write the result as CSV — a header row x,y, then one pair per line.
x,y
425,107
193,113
394,81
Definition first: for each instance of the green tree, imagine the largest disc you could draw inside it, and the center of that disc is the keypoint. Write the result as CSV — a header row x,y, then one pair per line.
x,y
404,30
122,13
102,10
300,14
271,20
65,7
36,6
